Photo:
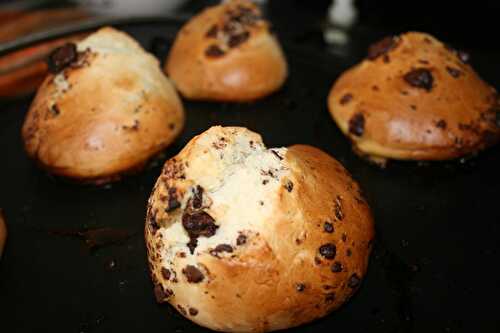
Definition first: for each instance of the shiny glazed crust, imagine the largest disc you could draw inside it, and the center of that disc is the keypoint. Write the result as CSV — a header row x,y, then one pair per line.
x,y
281,236
105,114
227,54
414,98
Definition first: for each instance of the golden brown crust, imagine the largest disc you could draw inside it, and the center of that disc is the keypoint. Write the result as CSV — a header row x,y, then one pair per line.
x,y
416,99
227,54
3,232
305,246
104,115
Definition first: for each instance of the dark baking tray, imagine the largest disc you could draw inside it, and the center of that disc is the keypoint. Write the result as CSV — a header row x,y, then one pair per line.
x,y
434,268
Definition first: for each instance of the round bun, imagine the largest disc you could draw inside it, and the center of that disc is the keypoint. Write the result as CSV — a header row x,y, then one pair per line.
x,y
104,110
227,53
3,232
414,98
241,238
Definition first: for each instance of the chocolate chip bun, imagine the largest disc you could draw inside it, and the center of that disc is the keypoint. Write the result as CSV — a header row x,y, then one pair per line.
x,y
3,232
414,98
227,53
104,110
241,238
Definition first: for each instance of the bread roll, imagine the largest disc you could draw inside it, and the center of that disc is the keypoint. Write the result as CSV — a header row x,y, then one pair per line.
x,y
3,232
227,53
241,238
415,98
104,110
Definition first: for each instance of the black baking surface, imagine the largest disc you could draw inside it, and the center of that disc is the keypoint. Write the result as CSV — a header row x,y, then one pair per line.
x,y
434,264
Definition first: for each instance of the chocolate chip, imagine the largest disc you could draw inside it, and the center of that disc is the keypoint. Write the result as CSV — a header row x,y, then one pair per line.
x,y
161,294
420,78
289,186
300,287
276,154
221,248
345,99
382,47
199,224
453,72
242,239
344,237
231,28
354,281
441,124
224,248
193,274
348,252
328,227
336,267
165,273
197,197
357,124
330,297
339,214
413,107
214,51
55,110
245,16
192,244
62,57
193,311
212,32
173,203
265,181
328,251
181,309
238,39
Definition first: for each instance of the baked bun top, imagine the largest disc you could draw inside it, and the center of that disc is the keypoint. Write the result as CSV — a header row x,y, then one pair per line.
x,y
415,98
105,108
242,238
227,53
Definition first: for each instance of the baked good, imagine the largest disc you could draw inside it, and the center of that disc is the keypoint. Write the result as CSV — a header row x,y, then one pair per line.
x,y
414,98
241,238
227,53
3,232
104,110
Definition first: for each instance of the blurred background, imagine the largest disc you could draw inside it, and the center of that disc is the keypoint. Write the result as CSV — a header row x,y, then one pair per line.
x,y
343,27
